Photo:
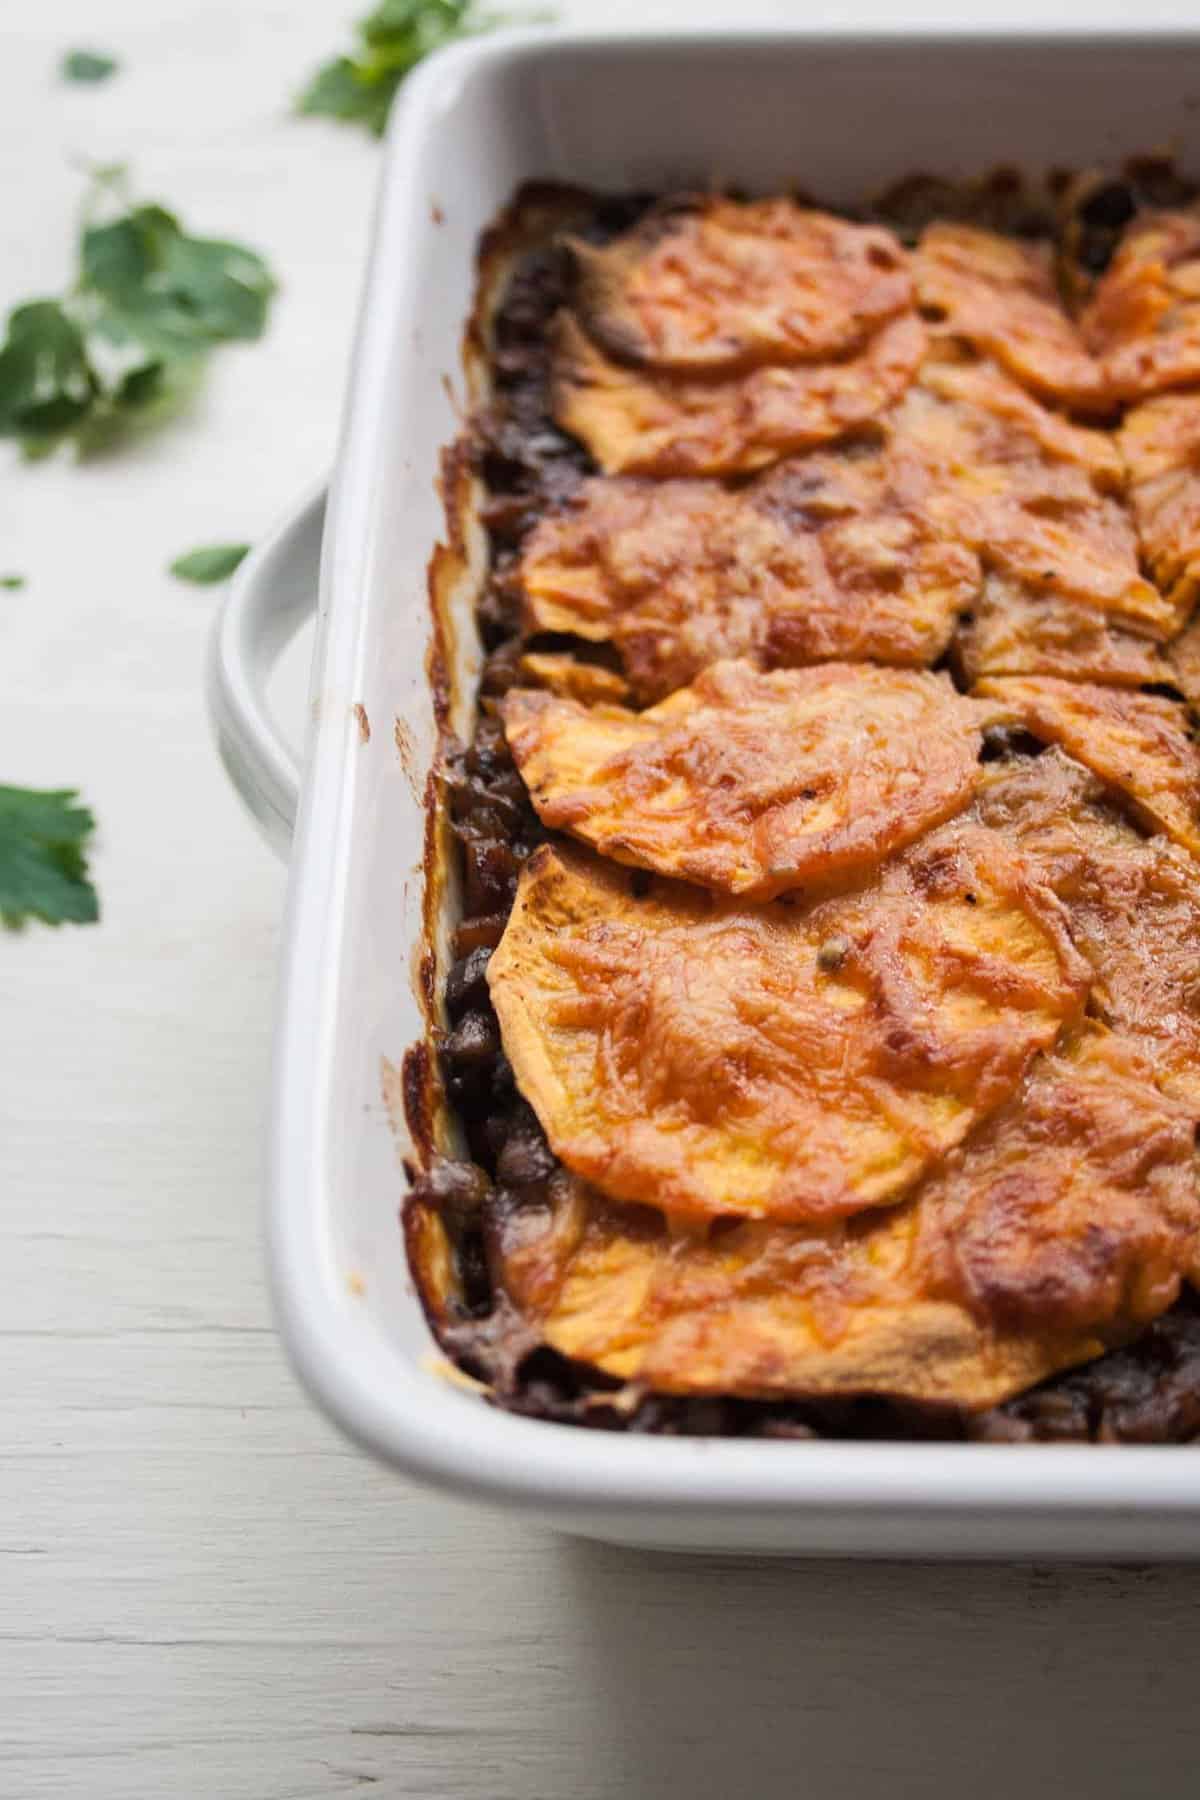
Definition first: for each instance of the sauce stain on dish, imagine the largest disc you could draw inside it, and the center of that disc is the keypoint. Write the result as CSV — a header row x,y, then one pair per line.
x,y
406,751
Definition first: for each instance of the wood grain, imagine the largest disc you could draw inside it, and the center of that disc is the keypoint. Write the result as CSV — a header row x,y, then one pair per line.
x,y
203,1592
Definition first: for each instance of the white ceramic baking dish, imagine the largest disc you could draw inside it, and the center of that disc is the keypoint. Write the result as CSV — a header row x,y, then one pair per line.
x,y
844,115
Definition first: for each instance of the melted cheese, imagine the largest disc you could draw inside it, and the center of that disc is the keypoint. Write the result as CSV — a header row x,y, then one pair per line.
x,y
1161,444
1133,903
1007,426
787,1062
753,784
825,559
1033,496
723,284
827,1142
643,422
1015,629
999,294
871,551
1065,1224
773,1311
1139,743
1184,658
1076,1206
1143,321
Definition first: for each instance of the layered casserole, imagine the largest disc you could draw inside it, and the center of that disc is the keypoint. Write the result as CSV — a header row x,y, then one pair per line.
x,y
822,1038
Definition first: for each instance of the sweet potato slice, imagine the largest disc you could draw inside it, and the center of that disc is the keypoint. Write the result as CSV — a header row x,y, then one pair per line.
x,y
1140,744
1161,443
749,783
636,421
1143,320
717,284
1133,903
999,294
792,1062
1063,1226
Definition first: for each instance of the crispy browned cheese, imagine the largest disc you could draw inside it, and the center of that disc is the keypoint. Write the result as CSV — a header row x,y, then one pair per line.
x,y
1133,903
784,1061
828,558
1064,1224
999,295
750,783
1034,497
720,284
646,423
1143,321
998,424
869,551
1161,443
1074,1207
1139,743
769,1310
1062,541
1184,658
1031,496
880,1072
1015,629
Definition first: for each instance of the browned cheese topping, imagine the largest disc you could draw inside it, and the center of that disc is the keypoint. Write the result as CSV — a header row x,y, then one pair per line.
x,y
1037,501
1133,903
1015,630
828,558
718,285
999,294
643,422
1075,1207
1141,744
716,337
854,1047
1061,1227
753,784
787,1061
1143,321
1160,441
765,1310
1184,659
971,502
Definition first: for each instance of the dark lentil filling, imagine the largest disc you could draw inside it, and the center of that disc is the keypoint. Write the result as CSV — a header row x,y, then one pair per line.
x,y
1146,1393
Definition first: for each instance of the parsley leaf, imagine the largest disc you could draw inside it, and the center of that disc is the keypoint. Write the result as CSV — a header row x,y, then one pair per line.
x,y
43,869
47,385
346,90
394,38
87,65
170,292
213,562
12,581
150,301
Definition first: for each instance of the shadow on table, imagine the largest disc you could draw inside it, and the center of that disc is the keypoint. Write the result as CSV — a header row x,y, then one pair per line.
x,y
843,1681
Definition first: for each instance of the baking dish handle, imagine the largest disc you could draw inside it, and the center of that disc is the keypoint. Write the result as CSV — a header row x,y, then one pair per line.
x,y
271,595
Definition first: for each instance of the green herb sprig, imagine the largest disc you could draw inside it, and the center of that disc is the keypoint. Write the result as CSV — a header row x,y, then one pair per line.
x,y
89,66
43,866
392,40
209,563
131,337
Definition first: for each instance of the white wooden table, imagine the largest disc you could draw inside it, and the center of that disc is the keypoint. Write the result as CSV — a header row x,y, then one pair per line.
x,y
203,1592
